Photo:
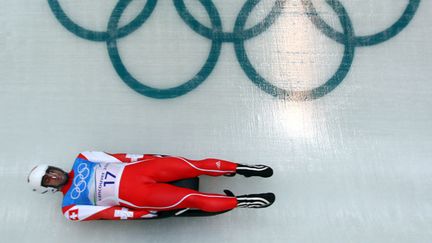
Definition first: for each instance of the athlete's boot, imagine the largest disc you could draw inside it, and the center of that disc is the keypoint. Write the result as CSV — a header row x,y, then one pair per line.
x,y
261,200
254,170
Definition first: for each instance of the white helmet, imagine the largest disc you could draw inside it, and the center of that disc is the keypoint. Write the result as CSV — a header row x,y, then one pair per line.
x,y
35,179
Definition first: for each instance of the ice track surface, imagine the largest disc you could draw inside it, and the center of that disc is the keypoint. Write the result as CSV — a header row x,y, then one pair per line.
x,y
335,95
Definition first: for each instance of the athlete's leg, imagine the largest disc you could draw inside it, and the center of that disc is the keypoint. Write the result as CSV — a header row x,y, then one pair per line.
x,y
161,197
167,169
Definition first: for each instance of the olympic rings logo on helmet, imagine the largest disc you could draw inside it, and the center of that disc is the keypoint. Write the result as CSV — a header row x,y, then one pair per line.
x,y
79,181
217,36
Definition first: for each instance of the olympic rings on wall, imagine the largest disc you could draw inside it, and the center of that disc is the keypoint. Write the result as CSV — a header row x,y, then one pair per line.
x,y
239,35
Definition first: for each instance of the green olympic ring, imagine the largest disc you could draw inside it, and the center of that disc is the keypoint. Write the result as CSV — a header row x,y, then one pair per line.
x,y
237,37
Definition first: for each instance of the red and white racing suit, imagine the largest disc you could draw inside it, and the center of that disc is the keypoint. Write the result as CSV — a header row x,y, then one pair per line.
x,y
130,186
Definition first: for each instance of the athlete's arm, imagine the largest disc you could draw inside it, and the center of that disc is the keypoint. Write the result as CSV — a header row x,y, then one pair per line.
x,y
89,212
97,156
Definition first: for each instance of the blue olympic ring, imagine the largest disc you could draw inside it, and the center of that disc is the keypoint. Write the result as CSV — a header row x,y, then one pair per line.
x,y
369,40
101,35
161,93
314,93
237,37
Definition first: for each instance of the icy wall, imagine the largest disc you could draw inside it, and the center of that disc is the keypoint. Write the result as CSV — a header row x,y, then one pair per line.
x,y
334,95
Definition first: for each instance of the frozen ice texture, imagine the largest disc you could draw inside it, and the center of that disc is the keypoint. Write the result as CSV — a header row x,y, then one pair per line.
x,y
351,166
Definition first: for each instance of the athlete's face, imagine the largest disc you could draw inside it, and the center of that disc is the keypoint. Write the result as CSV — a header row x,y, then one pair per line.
x,y
54,177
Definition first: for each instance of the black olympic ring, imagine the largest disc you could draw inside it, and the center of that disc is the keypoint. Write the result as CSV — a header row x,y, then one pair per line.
x,y
237,37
